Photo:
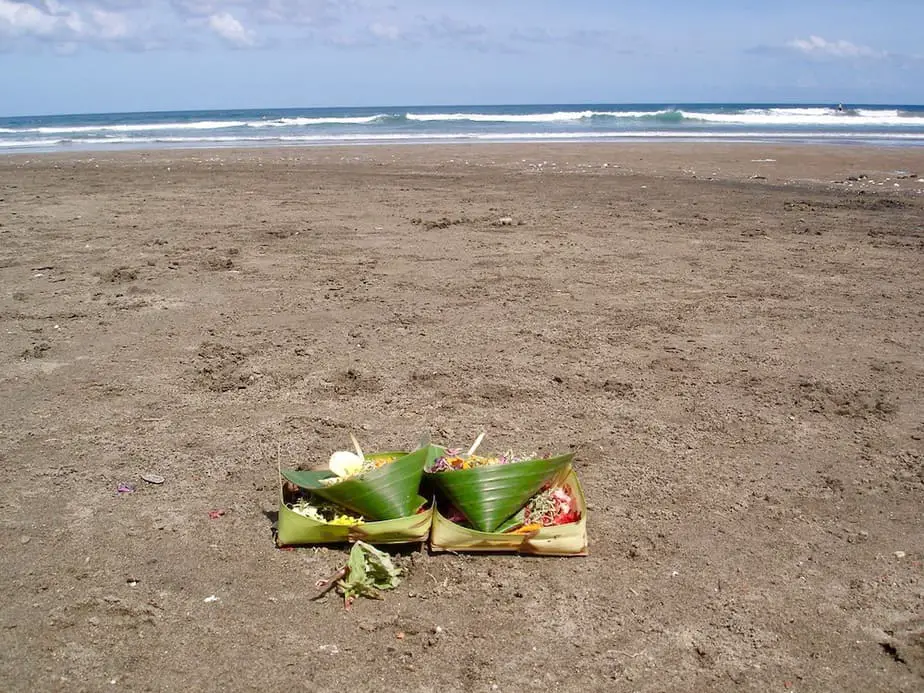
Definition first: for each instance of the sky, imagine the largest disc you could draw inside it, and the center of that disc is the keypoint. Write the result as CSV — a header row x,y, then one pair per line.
x,y
94,56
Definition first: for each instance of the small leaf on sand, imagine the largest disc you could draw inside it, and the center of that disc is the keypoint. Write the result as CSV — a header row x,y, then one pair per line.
x,y
369,570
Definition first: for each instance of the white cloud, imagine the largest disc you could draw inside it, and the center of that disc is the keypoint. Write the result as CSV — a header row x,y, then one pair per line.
x,y
68,26
195,8
22,19
451,28
289,12
817,46
110,25
231,30
53,21
475,37
306,12
385,31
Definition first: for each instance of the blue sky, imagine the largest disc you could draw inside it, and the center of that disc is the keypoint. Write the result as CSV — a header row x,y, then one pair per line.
x,y
77,56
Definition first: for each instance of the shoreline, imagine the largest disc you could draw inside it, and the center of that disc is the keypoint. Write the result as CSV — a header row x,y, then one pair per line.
x,y
847,167
644,139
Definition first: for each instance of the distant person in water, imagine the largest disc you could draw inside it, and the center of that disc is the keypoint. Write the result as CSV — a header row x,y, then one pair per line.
x,y
840,107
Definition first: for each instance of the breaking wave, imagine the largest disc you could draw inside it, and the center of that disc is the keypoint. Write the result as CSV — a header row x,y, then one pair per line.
x,y
899,124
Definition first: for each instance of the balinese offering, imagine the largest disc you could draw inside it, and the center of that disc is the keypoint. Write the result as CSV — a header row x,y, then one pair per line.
x,y
305,518
488,490
379,486
552,523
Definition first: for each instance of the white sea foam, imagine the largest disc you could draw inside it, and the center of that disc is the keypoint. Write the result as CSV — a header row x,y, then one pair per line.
x,y
613,135
783,112
560,116
808,116
805,116
769,118
289,122
693,135
25,144
130,127
883,113
192,125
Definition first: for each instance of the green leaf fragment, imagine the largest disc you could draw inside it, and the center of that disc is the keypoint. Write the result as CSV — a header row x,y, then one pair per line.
x,y
369,570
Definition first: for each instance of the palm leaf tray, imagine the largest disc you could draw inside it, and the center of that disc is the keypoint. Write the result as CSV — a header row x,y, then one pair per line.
x,y
557,540
398,514
388,496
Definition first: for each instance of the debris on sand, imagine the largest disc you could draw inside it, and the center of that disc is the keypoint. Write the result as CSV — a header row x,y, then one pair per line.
x,y
368,572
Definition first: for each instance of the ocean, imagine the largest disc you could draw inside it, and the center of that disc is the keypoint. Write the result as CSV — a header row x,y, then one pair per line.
x,y
868,124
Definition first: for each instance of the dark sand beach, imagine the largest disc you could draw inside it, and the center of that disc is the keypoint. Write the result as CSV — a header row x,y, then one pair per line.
x,y
728,336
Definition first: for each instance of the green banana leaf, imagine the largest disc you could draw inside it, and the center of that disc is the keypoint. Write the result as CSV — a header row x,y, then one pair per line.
x,y
293,529
560,540
489,495
387,493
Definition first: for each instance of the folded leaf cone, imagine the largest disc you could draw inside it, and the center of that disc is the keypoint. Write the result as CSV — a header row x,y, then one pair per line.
x,y
490,494
557,540
386,493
